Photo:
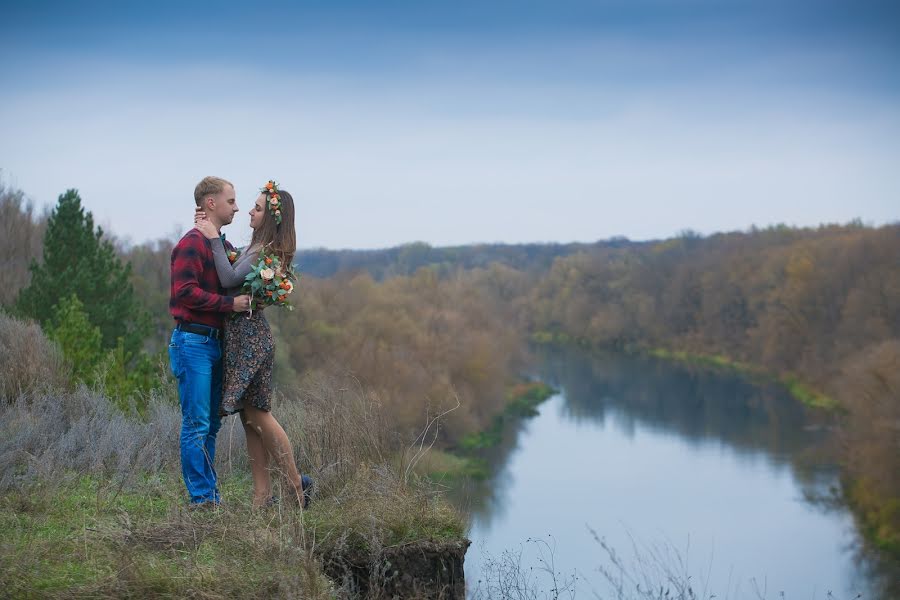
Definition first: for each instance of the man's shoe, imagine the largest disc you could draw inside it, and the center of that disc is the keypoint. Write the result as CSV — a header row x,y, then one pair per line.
x,y
205,505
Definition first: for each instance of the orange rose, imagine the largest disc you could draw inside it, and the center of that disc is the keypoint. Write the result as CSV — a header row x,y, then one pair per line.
x,y
269,186
268,261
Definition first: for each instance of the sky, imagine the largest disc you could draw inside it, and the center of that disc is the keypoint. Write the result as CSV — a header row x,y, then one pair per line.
x,y
459,122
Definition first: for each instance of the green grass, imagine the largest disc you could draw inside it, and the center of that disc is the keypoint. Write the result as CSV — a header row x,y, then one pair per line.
x,y
88,537
522,400
445,467
807,395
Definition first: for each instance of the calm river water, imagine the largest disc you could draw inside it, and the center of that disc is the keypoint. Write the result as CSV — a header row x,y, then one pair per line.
x,y
680,472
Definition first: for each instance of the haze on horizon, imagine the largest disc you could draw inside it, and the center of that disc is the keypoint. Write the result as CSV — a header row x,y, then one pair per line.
x,y
462,122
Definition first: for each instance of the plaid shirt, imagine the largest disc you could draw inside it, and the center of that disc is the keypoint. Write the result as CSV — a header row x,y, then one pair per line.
x,y
196,296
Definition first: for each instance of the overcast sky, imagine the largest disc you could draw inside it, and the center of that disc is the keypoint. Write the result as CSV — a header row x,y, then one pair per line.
x,y
459,122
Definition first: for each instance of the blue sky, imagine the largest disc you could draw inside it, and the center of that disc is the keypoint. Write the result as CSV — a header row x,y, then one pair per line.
x,y
460,122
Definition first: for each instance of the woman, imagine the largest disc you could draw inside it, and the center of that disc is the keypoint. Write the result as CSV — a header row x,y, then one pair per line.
x,y
250,347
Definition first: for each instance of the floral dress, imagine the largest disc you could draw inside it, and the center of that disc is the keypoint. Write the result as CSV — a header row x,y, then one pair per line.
x,y
249,345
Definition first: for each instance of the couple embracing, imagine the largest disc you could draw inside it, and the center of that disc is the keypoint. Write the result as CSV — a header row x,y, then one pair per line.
x,y
222,352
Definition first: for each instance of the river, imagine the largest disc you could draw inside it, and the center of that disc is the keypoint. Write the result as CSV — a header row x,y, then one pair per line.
x,y
647,472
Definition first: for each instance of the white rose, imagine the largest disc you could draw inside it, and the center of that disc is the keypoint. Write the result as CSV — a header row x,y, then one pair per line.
x,y
267,274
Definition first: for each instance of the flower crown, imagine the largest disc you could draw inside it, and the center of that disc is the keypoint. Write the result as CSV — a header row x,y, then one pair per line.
x,y
273,199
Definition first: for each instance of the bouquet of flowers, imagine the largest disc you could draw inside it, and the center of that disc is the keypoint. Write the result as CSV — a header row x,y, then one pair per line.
x,y
268,283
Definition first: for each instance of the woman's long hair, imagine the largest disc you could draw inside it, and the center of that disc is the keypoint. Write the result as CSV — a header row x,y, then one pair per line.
x,y
279,239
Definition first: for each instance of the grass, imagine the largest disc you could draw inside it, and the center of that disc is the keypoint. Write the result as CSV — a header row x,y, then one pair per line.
x,y
84,537
77,538
92,503
522,400
445,467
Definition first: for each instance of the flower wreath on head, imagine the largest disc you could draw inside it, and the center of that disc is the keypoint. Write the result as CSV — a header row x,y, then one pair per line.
x,y
273,199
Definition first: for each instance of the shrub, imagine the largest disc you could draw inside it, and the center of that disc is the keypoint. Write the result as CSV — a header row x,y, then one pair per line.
x,y
29,362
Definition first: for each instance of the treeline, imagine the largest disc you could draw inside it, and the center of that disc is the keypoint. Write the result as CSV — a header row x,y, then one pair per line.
x,y
408,258
788,299
818,305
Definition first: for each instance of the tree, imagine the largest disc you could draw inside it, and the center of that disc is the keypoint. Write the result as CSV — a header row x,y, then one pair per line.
x,y
79,261
77,337
116,371
21,235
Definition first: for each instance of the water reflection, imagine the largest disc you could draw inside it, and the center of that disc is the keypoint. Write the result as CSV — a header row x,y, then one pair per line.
x,y
695,403
670,450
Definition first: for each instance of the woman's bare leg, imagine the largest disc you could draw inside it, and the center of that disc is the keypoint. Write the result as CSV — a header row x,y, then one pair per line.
x,y
259,471
276,443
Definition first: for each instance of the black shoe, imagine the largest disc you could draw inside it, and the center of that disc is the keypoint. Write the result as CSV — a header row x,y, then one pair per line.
x,y
307,482
205,505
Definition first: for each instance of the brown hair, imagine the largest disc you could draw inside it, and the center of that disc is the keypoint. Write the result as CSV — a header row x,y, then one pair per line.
x,y
280,239
208,186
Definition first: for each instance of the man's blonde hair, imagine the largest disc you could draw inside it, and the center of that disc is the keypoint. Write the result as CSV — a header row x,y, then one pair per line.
x,y
208,186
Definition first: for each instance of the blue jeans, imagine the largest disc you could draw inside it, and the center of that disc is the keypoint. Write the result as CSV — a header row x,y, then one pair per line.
x,y
197,364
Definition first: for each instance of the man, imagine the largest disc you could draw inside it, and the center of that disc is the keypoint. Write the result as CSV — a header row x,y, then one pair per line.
x,y
198,304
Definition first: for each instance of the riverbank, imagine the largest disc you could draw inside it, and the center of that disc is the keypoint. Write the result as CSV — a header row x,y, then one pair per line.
x,y
796,386
463,460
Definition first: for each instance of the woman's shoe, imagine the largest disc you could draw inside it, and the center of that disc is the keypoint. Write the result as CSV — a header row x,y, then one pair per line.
x,y
307,482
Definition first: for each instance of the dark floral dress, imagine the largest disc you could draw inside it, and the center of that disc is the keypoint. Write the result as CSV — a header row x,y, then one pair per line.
x,y
249,358
249,345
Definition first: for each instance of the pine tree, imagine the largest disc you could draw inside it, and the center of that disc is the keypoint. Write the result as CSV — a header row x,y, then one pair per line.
x,y
77,338
78,261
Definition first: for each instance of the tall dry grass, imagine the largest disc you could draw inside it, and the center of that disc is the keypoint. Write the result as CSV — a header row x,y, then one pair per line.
x,y
29,362
104,485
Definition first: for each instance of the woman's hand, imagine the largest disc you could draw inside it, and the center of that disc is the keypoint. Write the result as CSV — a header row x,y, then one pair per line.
x,y
205,226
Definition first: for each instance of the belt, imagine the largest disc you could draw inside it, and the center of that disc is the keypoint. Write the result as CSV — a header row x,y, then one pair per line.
x,y
200,330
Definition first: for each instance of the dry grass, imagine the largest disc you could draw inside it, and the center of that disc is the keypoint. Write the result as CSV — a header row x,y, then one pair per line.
x,y
93,505
29,362
83,539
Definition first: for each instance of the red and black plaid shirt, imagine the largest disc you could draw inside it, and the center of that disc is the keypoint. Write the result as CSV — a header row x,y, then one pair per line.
x,y
196,295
